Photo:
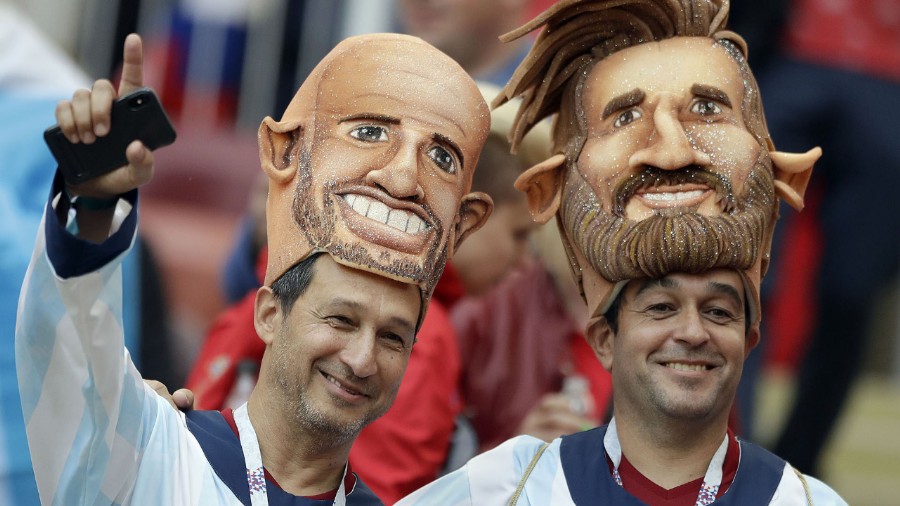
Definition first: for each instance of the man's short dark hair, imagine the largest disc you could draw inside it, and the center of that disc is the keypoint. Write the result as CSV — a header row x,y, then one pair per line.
x,y
293,283
612,314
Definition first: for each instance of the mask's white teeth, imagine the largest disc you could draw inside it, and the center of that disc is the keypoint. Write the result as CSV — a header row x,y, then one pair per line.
x,y
414,225
376,210
360,205
398,219
672,196
685,367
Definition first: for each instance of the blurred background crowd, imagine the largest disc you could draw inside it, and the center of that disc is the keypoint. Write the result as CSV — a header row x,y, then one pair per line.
x,y
823,390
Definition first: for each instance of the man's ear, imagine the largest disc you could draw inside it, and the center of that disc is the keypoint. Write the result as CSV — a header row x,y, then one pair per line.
x,y
279,148
542,185
600,337
792,173
266,314
474,210
752,340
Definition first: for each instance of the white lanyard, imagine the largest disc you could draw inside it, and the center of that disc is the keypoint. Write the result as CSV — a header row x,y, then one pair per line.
x,y
711,481
256,477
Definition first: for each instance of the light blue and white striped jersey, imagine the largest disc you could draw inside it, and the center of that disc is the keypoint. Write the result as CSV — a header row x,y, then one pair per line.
x,y
34,76
97,433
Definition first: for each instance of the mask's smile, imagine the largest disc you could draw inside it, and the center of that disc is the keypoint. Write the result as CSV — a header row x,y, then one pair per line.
x,y
686,195
376,210
378,218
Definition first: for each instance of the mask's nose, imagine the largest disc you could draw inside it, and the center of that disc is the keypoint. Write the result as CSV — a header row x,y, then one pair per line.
x,y
400,175
668,146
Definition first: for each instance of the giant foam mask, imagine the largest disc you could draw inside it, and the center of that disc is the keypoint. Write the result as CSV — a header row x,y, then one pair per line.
x,y
372,161
663,162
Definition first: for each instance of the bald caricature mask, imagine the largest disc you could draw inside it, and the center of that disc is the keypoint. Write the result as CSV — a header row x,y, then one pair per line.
x,y
663,162
372,161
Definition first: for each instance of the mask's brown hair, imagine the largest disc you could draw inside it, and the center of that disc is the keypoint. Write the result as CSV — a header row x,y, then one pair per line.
x,y
579,33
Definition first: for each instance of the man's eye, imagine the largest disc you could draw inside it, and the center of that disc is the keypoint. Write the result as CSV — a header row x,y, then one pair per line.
x,y
660,308
443,159
396,340
370,133
720,314
339,321
627,117
706,108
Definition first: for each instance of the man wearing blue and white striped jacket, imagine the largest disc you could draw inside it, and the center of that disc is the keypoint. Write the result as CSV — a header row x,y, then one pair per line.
x,y
338,317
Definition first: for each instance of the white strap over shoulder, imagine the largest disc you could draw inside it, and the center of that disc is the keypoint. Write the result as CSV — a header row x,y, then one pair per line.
x,y
537,456
809,500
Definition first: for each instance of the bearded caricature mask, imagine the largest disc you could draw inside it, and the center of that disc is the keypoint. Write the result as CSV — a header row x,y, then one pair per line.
x,y
663,163
372,161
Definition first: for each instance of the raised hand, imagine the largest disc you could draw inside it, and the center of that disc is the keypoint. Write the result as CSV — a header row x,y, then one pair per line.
x,y
87,116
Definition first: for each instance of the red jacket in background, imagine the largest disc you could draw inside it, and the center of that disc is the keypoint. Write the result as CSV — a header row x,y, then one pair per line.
x,y
517,344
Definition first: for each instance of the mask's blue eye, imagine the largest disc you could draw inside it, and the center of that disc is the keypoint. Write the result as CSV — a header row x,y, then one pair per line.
x,y
705,108
443,159
627,117
370,133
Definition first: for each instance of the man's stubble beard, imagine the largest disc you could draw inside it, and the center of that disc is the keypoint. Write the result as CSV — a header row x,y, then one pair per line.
x,y
318,226
305,416
672,240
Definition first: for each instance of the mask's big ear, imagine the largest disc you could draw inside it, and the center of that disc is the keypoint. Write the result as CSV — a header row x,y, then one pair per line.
x,y
279,148
792,173
474,210
542,185
600,337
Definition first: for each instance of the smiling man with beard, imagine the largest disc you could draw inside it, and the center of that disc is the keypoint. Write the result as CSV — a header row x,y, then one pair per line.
x,y
370,170
666,186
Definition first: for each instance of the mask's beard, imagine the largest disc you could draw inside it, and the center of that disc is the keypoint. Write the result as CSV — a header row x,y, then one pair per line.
x,y
319,226
676,239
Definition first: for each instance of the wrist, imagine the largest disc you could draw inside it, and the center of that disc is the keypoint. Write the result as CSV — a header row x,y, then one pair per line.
x,y
82,202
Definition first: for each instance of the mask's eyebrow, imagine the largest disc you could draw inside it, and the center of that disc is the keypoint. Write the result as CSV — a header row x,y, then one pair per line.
x,y
711,93
623,101
381,118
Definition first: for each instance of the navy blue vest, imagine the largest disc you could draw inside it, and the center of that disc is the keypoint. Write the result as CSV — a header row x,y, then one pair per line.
x,y
590,482
223,451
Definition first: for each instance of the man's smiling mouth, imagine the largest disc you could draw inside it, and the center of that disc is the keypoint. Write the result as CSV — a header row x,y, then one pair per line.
x,y
680,366
376,210
331,379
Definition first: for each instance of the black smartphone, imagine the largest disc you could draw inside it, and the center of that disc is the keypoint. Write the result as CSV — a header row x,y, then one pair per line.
x,y
135,116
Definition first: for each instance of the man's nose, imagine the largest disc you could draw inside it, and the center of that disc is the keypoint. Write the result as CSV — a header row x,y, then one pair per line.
x,y
690,327
668,146
359,355
400,174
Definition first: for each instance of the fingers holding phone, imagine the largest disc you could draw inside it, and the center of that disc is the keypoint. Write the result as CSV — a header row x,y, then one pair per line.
x,y
104,136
